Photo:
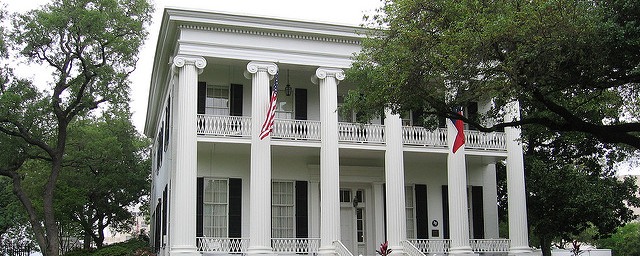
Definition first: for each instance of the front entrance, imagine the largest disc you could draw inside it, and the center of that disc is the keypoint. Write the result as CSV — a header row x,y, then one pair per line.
x,y
353,220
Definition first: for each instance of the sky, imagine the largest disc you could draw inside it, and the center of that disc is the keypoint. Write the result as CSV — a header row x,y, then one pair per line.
x,y
349,12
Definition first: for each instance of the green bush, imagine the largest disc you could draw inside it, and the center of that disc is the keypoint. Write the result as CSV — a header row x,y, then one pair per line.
x,y
113,250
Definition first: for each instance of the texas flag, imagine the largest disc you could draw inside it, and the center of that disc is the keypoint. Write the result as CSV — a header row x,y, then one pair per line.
x,y
458,125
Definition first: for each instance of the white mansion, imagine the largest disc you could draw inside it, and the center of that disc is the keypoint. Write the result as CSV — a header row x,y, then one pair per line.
x,y
320,183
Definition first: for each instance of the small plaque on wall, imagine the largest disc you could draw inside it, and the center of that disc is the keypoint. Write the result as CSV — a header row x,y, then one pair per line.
x,y
435,233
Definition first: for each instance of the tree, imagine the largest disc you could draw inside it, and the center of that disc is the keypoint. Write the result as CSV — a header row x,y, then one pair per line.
x,y
91,48
92,191
625,241
572,187
572,65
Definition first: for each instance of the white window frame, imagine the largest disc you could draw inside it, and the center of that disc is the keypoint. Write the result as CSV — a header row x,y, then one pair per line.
x,y
410,211
215,208
283,199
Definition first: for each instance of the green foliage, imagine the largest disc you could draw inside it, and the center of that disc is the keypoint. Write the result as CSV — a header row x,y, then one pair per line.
x,y
90,48
625,241
132,247
572,65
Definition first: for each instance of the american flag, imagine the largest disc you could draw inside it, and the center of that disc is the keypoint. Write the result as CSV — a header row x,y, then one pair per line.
x,y
267,126
459,125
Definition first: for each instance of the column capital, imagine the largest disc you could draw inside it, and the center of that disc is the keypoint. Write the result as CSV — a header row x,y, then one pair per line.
x,y
324,72
256,66
179,61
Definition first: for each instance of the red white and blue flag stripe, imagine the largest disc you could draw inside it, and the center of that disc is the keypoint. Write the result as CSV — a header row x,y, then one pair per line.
x,y
459,125
267,126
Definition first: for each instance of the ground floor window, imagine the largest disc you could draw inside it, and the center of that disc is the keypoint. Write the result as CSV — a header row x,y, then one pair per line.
x,y
282,209
410,212
215,207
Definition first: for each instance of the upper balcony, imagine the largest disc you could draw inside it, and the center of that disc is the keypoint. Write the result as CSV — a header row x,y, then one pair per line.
x,y
348,133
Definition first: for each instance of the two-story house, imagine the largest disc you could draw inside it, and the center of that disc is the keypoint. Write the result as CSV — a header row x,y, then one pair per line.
x,y
320,183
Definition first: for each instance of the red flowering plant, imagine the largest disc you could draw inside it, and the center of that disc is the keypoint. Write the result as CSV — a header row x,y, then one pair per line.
x,y
384,249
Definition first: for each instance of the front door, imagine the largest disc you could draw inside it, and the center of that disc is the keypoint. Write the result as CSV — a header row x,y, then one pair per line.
x,y
352,219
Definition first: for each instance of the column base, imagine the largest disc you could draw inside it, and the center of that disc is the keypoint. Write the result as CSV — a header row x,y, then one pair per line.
x,y
260,250
184,251
328,251
464,250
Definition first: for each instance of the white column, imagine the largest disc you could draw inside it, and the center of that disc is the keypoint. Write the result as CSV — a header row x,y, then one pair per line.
x,y
490,201
458,205
260,180
394,177
516,197
328,79
183,191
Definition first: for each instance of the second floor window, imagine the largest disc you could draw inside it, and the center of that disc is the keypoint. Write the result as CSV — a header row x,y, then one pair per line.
x,y
217,102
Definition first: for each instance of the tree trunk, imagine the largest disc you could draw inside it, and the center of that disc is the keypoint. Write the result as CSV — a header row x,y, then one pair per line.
x,y
87,240
545,246
50,224
28,206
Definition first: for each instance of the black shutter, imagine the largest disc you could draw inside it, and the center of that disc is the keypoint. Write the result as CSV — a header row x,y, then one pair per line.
x,y
200,207
165,209
301,104
236,100
472,113
202,96
302,208
157,226
384,206
445,212
477,212
422,218
235,208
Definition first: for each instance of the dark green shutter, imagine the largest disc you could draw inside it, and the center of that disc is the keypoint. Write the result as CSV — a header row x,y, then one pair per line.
x,y
235,208
236,100
472,113
445,212
202,96
477,212
302,210
422,218
300,104
165,209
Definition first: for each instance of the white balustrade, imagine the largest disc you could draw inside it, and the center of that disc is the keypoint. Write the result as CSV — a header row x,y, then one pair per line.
x,y
296,129
224,125
309,130
341,250
489,245
415,135
362,133
230,245
410,250
296,245
484,140
428,246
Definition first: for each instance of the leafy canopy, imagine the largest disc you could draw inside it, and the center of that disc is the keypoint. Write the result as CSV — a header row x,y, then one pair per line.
x,y
572,65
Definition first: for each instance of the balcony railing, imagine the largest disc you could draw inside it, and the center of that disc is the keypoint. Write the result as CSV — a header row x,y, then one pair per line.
x,y
361,133
228,245
309,130
296,245
428,246
490,245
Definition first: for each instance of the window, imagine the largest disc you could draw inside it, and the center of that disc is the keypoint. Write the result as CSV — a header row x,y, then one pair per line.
x,y
345,196
360,225
410,212
282,209
217,101
216,206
